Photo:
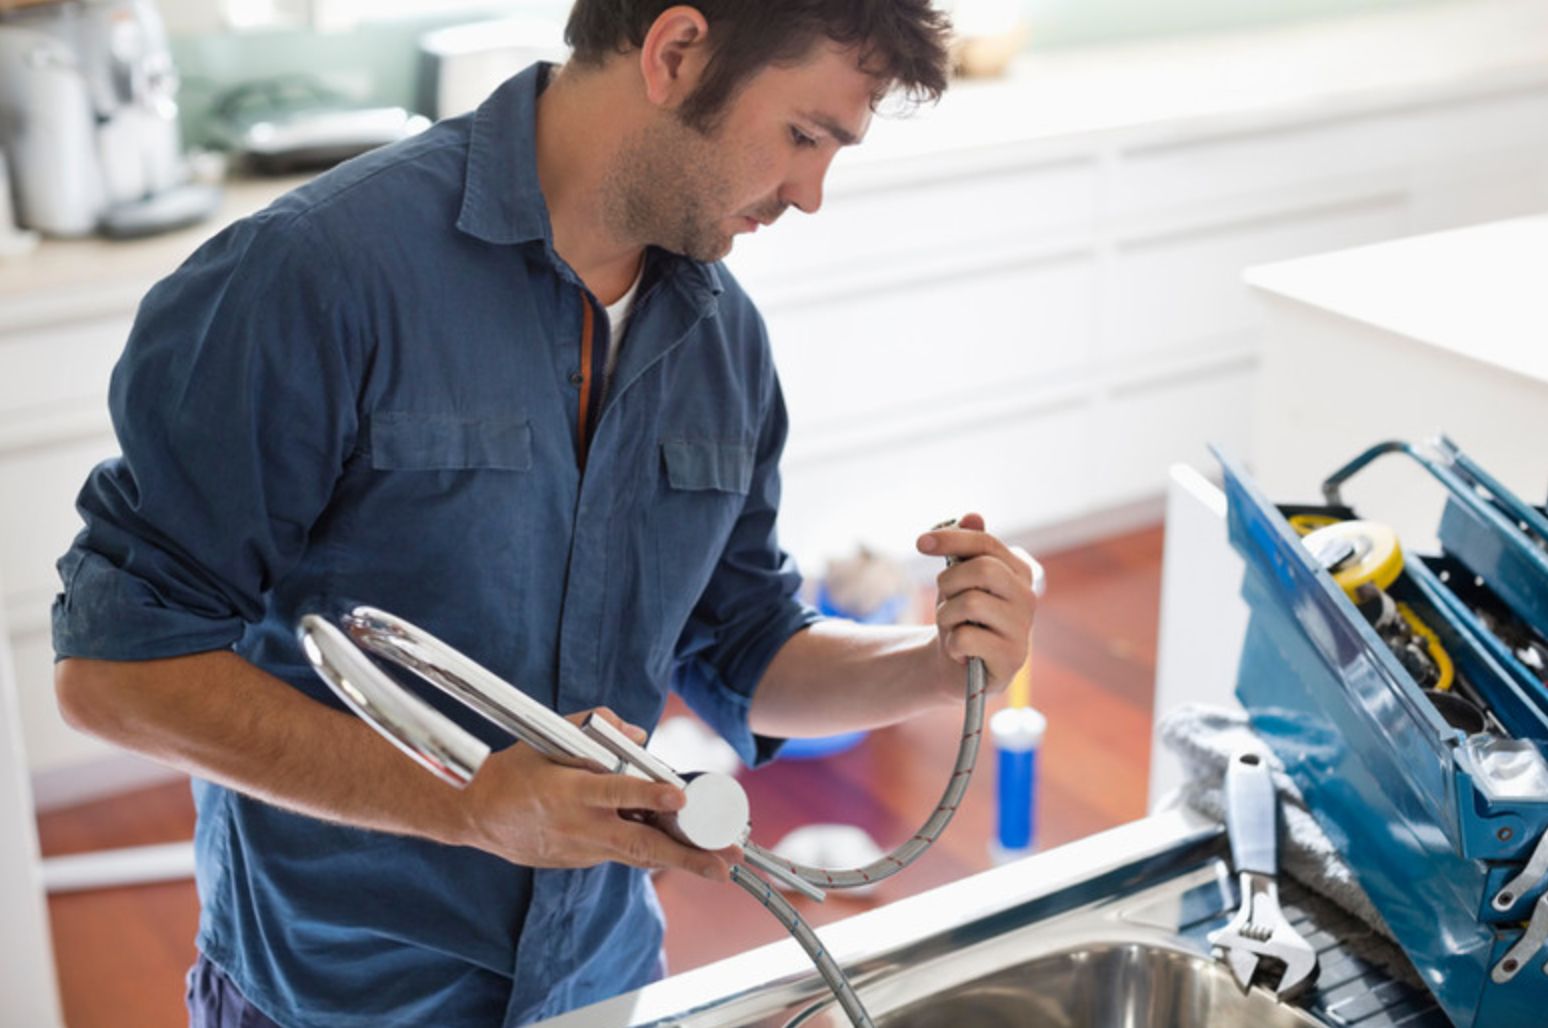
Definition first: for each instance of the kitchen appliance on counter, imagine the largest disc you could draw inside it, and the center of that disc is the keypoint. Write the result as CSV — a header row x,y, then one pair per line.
x,y
462,64
13,241
89,119
291,123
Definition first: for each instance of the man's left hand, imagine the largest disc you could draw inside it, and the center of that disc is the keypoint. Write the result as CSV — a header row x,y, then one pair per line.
x,y
985,602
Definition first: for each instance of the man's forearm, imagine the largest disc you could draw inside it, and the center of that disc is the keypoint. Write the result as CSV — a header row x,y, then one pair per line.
x,y
216,716
837,676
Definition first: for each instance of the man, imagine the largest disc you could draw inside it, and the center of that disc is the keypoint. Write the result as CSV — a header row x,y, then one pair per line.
x,y
492,380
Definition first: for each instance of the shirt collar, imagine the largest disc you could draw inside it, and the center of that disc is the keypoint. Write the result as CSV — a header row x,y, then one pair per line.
x,y
503,203
501,199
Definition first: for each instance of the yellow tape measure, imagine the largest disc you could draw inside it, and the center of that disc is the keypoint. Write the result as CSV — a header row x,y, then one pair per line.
x,y
1370,553
1306,524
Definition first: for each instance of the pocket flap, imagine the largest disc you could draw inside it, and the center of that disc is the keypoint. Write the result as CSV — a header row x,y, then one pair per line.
x,y
704,464
429,442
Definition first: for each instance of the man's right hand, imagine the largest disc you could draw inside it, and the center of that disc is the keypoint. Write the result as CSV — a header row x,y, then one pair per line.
x,y
531,811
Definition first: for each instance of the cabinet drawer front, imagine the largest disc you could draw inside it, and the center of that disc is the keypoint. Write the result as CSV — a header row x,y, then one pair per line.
x,y
1174,293
1144,431
1272,163
38,519
61,364
934,343
1018,469
929,216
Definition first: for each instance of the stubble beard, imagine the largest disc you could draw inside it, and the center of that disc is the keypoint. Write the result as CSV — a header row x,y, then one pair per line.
x,y
665,189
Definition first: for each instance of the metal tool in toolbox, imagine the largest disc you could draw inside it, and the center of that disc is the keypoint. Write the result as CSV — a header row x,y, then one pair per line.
x,y
1259,943
1405,695
715,814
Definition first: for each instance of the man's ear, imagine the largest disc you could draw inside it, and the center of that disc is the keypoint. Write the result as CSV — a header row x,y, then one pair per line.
x,y
674,54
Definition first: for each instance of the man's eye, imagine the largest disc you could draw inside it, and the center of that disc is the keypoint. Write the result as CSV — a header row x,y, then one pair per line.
x,y
801,138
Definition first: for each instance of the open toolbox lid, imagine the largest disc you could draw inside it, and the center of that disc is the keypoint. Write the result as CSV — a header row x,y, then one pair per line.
x,y
1397,789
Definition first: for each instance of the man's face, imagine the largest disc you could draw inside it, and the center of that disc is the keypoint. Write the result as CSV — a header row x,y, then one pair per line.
x,y
692,192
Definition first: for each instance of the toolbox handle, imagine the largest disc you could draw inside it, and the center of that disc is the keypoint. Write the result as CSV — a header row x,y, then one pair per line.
x,y
1464,489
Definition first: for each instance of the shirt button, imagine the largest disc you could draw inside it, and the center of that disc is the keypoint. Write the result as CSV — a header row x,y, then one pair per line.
x,y
576,378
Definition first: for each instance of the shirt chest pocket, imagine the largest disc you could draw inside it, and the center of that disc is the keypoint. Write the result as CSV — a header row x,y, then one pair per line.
x,y
704,486
434,442
460,488
698,465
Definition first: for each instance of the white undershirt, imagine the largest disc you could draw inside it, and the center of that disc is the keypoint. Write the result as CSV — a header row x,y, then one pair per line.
x,y
617,321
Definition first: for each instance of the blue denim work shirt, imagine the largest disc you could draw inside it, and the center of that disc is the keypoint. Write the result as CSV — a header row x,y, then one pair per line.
x,y
365,394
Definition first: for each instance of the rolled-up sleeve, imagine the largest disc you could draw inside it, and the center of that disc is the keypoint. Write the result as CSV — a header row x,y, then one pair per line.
x,y
234,406
750,608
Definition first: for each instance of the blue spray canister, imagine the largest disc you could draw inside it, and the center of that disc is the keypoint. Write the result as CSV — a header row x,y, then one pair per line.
x,y
1017,732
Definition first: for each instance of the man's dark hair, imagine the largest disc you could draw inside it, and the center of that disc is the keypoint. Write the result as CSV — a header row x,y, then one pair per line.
x,y
902,42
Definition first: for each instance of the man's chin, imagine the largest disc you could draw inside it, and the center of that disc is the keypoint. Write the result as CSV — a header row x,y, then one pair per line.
x,y
706,251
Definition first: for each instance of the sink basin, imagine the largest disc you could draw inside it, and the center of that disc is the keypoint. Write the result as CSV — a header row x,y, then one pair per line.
x,y
1109,931
1111,985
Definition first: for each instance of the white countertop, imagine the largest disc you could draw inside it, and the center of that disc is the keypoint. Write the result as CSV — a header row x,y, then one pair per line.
x,y
73,278
1477,292
1050,105
1229,81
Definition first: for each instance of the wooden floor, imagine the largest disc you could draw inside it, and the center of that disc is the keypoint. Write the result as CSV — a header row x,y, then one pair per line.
x,y
121,953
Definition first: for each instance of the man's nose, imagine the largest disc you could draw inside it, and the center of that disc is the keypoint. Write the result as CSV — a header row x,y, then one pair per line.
x,y
803,189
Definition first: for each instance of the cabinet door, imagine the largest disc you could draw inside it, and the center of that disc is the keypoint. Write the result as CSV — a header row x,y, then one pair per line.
x,y
43,370
942,213
915,347
1019,468
1183,293
54,428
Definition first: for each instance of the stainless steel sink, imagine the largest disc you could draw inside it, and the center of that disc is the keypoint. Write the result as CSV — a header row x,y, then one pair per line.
x,y
1132,958
1109,931
1106,985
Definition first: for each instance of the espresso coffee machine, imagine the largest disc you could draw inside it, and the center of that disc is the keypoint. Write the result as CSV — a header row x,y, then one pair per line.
x,y
88,116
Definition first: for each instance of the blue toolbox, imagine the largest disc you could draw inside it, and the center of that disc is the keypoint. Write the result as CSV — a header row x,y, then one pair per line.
x,y
1407,696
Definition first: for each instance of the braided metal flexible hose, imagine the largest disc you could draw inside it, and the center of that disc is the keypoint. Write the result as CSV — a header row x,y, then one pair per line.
x,y
802,932
891,863
884,867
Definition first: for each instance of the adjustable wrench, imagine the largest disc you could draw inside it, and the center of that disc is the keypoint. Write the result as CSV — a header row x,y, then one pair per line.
x,y
1259,930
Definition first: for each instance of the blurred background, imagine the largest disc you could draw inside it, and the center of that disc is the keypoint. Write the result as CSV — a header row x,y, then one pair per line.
x,y
1129,230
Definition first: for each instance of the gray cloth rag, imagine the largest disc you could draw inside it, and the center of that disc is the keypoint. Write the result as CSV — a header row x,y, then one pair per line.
x,y
1204,737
